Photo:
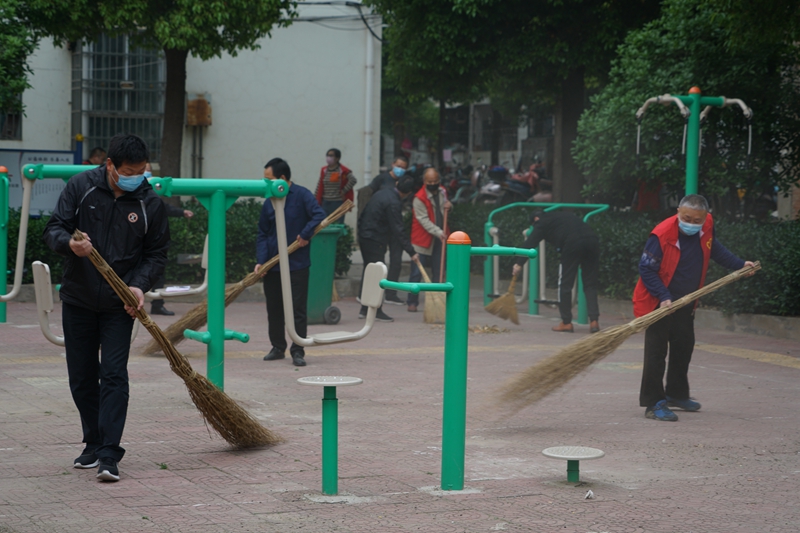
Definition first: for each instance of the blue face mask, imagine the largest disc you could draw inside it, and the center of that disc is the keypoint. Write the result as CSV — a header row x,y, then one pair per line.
x,y
148,174
129,183
689,229
399,172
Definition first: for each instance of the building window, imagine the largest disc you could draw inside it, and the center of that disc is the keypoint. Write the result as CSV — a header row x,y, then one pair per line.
x,y
118,88
11,126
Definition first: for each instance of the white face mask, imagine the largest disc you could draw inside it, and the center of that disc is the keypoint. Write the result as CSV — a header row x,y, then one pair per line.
x,y
330,160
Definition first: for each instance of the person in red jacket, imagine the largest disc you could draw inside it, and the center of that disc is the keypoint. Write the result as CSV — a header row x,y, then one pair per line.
x,y
335,185
674,264
428,233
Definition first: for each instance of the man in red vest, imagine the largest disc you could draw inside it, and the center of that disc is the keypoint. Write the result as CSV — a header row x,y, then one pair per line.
x,y
674,264
428,232
335,184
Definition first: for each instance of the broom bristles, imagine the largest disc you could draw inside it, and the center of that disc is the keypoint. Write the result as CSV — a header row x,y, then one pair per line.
x,y
546,376
505,306
197,316
238,427
435,310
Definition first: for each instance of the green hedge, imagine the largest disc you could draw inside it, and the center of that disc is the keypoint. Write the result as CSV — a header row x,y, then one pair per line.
x,y
622,235
188,235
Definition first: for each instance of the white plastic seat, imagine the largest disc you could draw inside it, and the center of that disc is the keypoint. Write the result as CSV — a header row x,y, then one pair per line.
x,y
157,294
371,292
43,289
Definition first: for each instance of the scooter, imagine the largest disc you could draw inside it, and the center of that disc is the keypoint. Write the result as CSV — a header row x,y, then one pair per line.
x,y
491,193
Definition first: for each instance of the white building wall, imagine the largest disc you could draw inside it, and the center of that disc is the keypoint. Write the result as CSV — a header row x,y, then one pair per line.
x,y
46,124
302,93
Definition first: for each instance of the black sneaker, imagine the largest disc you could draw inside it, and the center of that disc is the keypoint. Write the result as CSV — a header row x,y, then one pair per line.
x,y
393,299
298,359
383,317
108,471
363,312
161,311
275,354
87,460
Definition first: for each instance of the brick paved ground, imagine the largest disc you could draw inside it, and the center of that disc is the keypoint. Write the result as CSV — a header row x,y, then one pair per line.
x,y
732,467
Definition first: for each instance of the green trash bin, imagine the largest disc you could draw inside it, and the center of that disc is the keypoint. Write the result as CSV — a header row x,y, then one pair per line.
x,y
320,276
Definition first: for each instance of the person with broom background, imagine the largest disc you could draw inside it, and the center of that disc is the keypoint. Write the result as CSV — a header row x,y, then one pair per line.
x,y
674,263
428,232
120,214
303,214
579,246
379,224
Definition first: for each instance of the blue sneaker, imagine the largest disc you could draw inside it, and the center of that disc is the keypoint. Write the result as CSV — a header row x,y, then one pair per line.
x,y
660,411
686,405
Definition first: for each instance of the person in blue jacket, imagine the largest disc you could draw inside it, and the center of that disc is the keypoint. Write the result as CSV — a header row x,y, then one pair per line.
x,y
303,214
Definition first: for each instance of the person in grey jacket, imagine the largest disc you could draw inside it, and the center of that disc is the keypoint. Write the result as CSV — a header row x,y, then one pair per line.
x,y
379,223
125,221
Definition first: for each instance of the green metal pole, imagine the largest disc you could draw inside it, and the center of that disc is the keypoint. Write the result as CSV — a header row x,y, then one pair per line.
x,y
456,331
573,471
488,266
215,359
330,442
3,239
693,141
533,284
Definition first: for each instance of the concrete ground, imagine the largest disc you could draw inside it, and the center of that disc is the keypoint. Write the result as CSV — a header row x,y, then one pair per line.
x,y
732,467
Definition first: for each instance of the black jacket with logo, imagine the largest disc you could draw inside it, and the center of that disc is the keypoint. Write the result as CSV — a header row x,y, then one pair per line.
x,y
130,232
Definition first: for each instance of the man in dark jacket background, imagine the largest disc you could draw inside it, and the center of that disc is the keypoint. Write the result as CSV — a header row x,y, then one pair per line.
x,y
379,224
123,218
578,245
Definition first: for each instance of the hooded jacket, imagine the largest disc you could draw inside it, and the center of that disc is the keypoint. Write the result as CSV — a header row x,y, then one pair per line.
x,y
130,232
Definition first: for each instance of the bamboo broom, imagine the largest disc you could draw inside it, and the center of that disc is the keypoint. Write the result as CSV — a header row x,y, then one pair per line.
x,y
230,420
505,306
435,307
541,379
197,316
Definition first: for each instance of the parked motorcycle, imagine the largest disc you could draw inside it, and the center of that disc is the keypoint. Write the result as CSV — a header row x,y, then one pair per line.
x,y
492,191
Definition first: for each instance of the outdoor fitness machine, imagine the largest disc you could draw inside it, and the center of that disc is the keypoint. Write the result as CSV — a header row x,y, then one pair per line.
x,y
689,106
456,332
533,277
217,195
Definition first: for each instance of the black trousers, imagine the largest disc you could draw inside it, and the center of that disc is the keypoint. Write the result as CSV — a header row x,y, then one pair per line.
x,y
395,263
673,333
157,304
583,253
433,262
99,385
371,252
275,317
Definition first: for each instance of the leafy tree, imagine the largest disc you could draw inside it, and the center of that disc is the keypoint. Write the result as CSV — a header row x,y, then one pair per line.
x,y
203,28
17,42
536,50
688,46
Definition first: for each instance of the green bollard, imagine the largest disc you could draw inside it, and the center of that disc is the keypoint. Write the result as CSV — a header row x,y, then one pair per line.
x,y
456,331
3,238
533,284
488,266
330,442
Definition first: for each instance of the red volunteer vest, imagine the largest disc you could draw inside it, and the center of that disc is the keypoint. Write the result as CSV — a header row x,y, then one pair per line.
x,y
419,236
344,171
667,233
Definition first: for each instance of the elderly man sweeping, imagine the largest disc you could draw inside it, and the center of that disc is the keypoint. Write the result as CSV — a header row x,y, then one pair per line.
x,y
674,264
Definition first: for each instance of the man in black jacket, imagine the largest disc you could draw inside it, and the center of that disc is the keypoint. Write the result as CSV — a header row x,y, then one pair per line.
x,y
123,218
579,247
379,223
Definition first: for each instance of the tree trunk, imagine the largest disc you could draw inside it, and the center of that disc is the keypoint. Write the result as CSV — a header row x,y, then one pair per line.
x,y
495,138
440,139
567,177
399,131
174,109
